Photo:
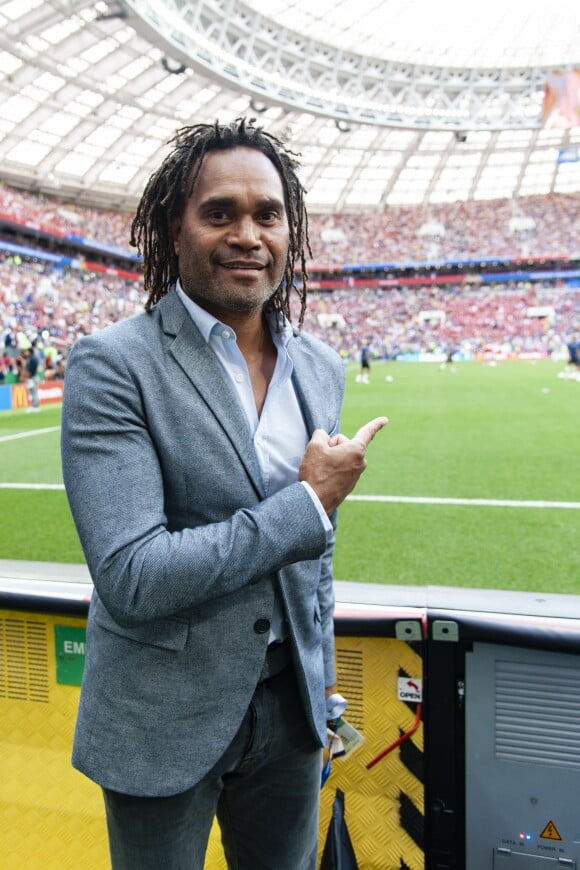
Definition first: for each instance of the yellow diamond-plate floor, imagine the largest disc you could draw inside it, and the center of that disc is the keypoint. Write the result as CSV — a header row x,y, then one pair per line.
x,y
52,818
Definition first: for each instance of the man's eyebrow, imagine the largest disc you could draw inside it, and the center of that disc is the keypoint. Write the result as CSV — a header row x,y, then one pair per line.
x,y
218,202
230,201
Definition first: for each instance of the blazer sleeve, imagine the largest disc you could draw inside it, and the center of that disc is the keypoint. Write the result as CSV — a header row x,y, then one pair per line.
x,y
115,484
325,592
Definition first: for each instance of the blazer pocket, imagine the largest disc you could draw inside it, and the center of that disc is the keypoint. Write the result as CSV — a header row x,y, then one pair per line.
x,y
170,633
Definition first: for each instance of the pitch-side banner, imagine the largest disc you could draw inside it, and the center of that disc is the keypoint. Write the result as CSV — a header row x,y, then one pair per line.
x,y
49,393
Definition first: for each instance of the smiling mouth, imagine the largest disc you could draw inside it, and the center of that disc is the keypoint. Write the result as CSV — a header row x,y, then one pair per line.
x,y
256,267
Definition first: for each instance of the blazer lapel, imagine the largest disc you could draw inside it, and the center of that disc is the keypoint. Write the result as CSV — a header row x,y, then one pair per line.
x,y
309,391
208,378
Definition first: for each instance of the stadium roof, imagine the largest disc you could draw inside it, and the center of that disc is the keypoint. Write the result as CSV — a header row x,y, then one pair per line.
x,y
388,102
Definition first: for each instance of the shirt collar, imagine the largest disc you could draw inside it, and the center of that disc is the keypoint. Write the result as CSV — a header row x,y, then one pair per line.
x,y
206,322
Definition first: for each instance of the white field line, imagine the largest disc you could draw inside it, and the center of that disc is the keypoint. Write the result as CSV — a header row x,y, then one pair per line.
x,y
391,499
28,434
32,486
18,435
477,502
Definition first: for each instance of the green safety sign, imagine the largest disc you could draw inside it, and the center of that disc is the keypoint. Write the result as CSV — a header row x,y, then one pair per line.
x,y
70,642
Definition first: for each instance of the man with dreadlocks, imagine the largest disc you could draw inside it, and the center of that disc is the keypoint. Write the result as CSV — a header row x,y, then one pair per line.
x,y
204,467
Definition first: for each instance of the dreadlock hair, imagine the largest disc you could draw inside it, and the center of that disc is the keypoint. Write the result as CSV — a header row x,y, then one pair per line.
x,y
166,193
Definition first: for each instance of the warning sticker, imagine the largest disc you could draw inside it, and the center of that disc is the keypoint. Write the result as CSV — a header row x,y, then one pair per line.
x,y
550,832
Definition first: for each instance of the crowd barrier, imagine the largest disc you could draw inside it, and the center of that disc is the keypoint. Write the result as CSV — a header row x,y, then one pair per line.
x,y
468,702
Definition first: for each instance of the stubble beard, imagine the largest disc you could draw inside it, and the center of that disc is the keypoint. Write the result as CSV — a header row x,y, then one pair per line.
x,y
237,299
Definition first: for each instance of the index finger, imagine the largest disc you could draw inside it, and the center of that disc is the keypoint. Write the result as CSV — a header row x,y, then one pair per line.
x,y
367,432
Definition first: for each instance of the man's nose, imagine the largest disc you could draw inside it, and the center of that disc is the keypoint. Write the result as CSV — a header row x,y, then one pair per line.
x,y
244,233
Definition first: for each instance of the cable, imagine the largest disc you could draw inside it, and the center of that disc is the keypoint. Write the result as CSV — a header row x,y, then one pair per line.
x,y
401,739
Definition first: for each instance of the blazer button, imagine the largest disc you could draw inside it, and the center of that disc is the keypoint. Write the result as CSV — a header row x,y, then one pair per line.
x,y
261,626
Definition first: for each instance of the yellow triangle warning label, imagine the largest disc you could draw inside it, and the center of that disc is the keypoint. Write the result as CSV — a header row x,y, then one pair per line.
x,y
550,832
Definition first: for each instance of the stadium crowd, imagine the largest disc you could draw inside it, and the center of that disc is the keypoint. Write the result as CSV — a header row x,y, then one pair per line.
x,y
455,231
506,319
51,306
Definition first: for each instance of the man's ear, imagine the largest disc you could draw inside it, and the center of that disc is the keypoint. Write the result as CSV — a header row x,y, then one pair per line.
x,y
175,231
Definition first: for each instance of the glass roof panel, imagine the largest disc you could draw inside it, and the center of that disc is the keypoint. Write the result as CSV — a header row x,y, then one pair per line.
x,y
18,8
30,155
61,30
449,32
105,136
36,44
368,196
375,174
117,172
566,179
63,63
8,63
17,109
75,164
98,50
399,196
435,140
60,123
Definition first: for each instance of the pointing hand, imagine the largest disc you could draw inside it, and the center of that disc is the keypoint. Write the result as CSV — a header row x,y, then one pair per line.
x,y
332,466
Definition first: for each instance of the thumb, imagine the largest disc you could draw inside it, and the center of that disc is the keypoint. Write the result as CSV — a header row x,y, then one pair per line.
x,y
337,439
319,436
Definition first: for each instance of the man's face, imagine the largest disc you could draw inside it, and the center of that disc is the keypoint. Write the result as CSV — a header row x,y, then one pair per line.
x,y
232,238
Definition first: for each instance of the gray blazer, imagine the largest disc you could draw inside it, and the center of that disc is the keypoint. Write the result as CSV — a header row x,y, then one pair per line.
x,y
184,550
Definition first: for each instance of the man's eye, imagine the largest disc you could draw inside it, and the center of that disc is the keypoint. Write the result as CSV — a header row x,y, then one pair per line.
x,y
269,216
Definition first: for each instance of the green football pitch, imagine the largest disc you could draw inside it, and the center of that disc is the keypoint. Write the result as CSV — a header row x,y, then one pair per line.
x,y
475,482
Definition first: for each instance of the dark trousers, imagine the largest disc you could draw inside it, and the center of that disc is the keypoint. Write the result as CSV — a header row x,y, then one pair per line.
x,y
264,790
